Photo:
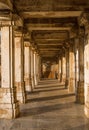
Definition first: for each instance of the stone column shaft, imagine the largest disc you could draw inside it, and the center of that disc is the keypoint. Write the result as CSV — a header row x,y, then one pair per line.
x,y
27,70
32,68
35,68
9,106
86,72
59,69
63,68
19,68
80,85
71,86
67,68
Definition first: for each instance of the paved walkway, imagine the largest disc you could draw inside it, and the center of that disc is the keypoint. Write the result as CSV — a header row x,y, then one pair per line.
x,y
49,107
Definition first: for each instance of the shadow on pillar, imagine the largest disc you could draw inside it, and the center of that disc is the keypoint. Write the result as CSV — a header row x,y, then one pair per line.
x,y
80,93
66,83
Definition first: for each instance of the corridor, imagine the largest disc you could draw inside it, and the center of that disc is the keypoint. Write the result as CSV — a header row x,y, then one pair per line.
x,y
49,107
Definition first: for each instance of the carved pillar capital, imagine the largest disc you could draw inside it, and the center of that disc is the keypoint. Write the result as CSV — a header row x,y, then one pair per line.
x,y
84,19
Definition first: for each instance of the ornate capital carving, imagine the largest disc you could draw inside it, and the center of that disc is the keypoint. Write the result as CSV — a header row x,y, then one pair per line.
x,y
84,19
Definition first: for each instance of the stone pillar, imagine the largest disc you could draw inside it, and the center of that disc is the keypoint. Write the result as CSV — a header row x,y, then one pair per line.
x,y
27,68
9,106
80,85
32,68
38,68
63,68
35,68
71,86
86,73
76,62
59,69
19,68
67,68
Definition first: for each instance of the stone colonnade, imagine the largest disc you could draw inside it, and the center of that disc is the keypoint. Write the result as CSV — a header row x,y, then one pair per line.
x,y
21,67
77,65
19,70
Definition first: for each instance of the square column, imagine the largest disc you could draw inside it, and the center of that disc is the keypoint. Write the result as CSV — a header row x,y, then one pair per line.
x,y
32,68
63,68
38,68
86,73
59,70
27,66
76,62
9,106
67,68
35,68
71,86
80,83
19,68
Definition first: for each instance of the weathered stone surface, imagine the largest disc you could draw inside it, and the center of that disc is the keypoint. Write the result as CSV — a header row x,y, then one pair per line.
x,y
27,68
9,106
19,68
71,86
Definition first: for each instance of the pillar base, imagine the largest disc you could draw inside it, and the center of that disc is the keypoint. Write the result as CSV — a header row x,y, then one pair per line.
x,y
21,93
28,86
71,86
80,92
9,106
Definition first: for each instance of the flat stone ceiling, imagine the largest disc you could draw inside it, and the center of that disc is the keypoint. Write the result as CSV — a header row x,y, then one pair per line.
x,y
50,22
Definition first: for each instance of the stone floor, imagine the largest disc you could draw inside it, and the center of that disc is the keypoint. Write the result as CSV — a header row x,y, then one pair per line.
x,y
49,107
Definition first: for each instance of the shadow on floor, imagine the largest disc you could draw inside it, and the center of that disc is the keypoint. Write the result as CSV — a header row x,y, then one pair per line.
x,y
48,90
82,127
49,98
35,91
45,109
50,86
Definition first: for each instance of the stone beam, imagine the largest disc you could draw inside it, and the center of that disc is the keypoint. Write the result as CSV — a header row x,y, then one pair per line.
x,y
49,49
49,45
49,28
51,14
